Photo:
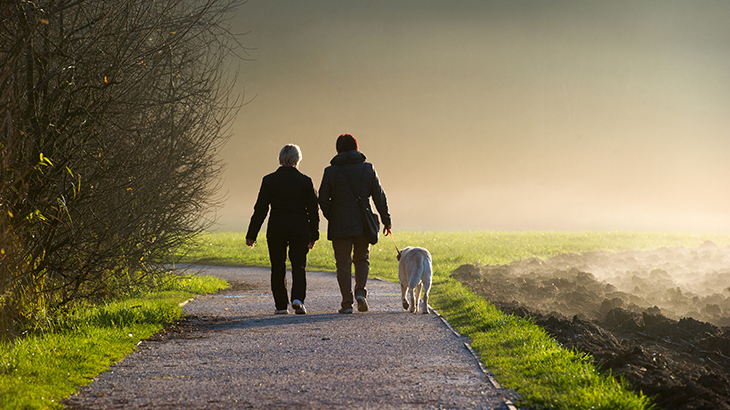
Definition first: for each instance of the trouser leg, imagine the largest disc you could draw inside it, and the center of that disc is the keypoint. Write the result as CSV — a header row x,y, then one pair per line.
x,y
298,249
277,255
343,262
361,260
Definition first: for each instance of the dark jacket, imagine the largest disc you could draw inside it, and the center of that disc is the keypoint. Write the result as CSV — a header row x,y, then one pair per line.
x,y
337,200
293,202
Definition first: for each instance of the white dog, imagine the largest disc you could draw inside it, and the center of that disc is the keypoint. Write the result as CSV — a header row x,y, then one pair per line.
x,y
414,270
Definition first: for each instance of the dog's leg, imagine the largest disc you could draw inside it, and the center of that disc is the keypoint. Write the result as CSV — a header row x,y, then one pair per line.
x,y
426,290
418,298
411,299
403,279
403,290
414,284
414,298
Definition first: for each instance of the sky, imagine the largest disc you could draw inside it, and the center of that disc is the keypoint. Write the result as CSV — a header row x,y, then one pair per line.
x,y
495,115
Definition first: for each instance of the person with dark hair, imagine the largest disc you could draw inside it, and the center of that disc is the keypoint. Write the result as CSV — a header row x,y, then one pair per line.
x,y
347,177
294,223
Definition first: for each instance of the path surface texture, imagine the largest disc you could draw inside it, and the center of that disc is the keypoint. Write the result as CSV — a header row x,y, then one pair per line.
x,y
233,352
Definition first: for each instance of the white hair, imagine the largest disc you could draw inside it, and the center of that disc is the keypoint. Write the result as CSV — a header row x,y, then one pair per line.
x,y
290,155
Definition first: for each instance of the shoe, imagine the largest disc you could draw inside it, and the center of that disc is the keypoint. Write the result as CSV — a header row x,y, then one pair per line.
x,y
362,304
345,310
282,311
298,306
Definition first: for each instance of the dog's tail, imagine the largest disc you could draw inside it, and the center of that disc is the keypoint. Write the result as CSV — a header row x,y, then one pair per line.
x,y
418,273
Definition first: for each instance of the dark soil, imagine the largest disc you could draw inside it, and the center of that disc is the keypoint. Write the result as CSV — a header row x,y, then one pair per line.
x,y
659,319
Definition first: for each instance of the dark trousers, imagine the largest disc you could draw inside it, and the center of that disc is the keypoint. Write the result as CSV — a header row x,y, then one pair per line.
x,y
298,248
352,251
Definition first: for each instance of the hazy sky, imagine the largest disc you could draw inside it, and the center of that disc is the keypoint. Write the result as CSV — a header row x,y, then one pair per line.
x,y
497,115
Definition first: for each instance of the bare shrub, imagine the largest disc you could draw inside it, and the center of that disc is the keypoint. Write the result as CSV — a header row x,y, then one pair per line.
x,y
111,112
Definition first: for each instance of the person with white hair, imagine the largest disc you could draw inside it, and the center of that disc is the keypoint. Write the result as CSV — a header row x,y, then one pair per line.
x,y
293,224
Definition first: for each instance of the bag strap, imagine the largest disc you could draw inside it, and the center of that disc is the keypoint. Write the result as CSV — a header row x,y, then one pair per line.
x,y
349,183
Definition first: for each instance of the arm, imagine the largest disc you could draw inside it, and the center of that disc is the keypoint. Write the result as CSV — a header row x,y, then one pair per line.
x,y
261,209
324,194
312,212
381,202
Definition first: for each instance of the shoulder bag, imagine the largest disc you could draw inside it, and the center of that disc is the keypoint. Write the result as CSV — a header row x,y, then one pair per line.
x,y
370,221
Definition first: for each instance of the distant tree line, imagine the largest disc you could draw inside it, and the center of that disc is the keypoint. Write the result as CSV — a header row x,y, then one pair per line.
x,y
111,112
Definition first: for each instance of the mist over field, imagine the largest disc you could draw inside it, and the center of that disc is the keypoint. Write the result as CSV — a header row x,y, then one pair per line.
x,y
495,115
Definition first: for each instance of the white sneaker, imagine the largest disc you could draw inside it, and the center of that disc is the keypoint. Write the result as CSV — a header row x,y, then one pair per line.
x,y
298,306
282,311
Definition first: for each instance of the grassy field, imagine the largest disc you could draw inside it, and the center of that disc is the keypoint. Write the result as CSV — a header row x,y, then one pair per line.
x,y
37,371
521,355
449,249
40,370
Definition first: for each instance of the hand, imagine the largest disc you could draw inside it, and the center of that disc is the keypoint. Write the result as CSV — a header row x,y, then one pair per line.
x,y
386,230
311,244
250,242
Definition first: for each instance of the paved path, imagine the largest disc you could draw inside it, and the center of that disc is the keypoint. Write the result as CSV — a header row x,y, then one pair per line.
x,y
233,352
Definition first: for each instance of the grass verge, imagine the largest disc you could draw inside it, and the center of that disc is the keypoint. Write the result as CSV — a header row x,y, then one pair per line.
x,y
38,371
524,358
520,354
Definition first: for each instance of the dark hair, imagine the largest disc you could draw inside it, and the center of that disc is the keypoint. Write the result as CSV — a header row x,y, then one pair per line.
x,y
346,142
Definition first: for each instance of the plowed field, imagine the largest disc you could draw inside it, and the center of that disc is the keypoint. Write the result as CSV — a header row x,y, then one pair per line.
x,y
660,319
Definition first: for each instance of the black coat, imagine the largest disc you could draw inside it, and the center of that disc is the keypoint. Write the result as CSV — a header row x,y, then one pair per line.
x,y
337,200
293,202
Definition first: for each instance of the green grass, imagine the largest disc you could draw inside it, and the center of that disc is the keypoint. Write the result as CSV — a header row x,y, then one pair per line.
x,y
524,358
520,354
449,249
39,370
